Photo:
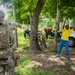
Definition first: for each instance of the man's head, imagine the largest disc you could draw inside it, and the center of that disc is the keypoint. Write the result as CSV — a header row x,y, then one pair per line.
x,y
67,27
2,15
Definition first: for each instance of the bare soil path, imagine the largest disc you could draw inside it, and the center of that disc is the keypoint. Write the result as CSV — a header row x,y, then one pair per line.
x,y
49,62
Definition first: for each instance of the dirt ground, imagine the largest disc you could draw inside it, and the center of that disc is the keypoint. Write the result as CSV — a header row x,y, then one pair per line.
x,y
49,62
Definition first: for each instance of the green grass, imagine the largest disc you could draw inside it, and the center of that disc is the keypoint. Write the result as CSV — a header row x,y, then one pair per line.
x,y
21,69
49,41
42,73
24,60
25,68
53,50
22,42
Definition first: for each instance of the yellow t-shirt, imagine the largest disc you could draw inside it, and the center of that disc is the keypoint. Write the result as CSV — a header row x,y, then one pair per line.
x,y
66,33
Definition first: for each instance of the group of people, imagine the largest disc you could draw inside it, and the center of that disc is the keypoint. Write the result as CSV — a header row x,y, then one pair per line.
x,y
49,32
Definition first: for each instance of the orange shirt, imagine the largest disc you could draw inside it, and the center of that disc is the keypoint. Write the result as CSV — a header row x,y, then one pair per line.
x,y
47,30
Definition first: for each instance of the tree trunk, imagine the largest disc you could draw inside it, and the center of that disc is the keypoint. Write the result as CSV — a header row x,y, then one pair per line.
x,y
57,23
16,36
34,45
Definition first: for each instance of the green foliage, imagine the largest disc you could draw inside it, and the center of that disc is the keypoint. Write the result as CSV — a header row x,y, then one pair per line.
x,y
66,9
24,9
50,8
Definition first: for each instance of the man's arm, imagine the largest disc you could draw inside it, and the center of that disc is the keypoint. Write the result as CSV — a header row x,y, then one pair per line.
x,y
63,26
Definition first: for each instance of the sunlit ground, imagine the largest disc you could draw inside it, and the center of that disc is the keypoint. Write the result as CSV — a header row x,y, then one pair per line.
x,y
30,61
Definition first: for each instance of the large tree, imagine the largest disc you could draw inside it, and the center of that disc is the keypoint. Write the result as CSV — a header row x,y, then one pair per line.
x,y
34,13
31,9
34,45
57,23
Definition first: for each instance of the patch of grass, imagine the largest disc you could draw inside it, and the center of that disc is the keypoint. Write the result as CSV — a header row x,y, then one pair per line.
x,y
49,41
24,60
22,42
53,50
26,68
42,73
23,71
26,47
21,68
63,72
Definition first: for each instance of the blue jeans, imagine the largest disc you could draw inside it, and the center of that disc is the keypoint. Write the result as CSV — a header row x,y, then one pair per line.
x,y
62,43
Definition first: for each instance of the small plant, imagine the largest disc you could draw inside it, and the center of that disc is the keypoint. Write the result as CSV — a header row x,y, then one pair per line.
x,y
63,72
21,69
24,60
14,48
26,47
53,50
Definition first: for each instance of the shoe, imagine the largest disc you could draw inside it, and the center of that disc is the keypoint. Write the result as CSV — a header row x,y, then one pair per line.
x,y
58,55
68,57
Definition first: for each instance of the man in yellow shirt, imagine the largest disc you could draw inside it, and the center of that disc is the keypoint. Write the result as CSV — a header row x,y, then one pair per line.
x,y
64,39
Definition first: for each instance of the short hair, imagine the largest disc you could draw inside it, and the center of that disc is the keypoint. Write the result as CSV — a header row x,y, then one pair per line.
x,y
66,25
